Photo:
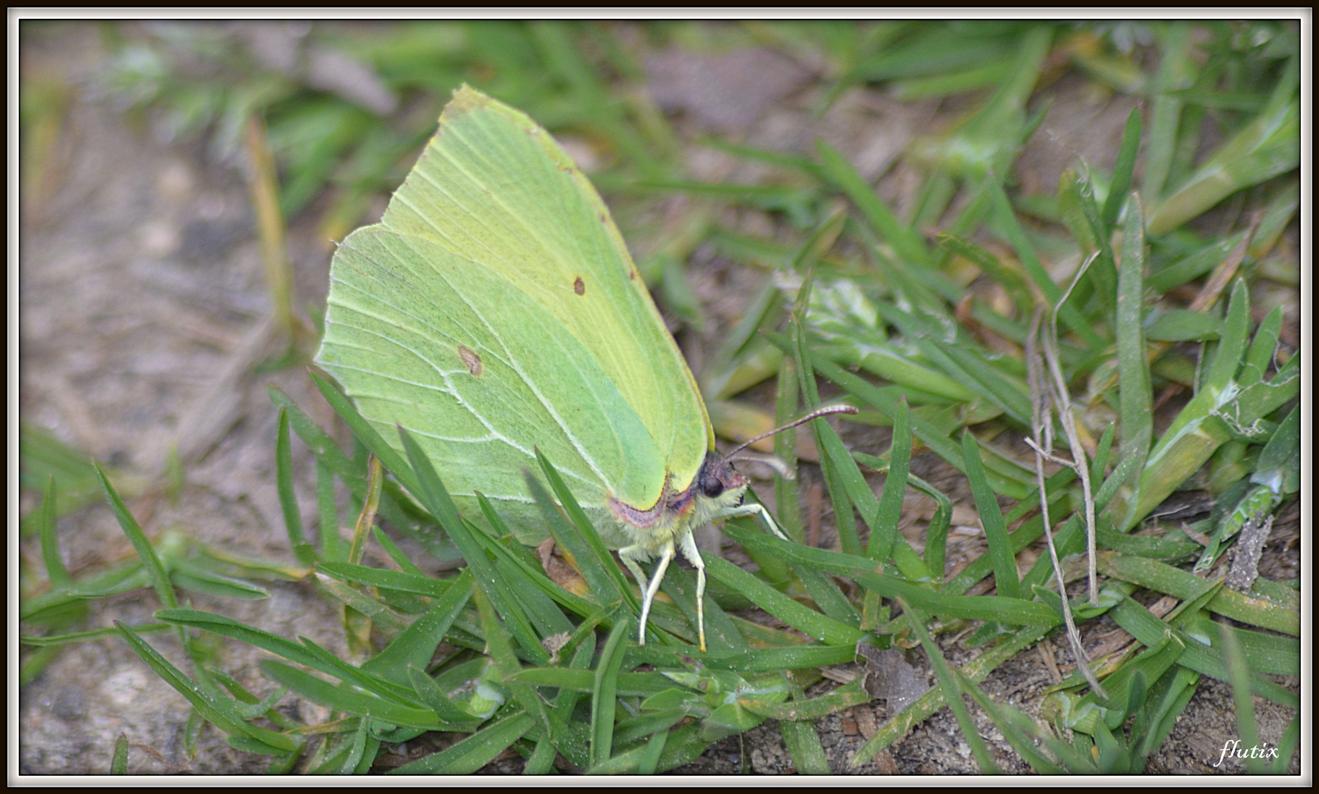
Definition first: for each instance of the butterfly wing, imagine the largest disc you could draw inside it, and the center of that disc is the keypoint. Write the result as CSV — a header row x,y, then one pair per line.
x,y
495,309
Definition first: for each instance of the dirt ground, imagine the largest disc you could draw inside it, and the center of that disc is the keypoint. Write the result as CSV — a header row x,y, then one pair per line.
x,y
142,305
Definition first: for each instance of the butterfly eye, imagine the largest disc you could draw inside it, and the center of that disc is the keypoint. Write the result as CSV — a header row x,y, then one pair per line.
x,y
711,486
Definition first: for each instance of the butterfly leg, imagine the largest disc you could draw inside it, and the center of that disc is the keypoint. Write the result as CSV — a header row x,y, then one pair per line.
x,y
665,556
632,557
752,510
693,556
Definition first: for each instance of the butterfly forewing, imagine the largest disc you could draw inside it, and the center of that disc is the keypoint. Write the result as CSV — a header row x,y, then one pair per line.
x,y
495,309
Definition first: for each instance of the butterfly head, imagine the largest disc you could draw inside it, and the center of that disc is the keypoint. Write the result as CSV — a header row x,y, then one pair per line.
x,y
719,481
718,487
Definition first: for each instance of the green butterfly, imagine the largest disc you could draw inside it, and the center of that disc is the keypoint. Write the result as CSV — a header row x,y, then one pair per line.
x,y
495,310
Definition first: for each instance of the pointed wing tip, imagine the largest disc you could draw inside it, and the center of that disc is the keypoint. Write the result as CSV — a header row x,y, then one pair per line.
x,y
465,98
465,95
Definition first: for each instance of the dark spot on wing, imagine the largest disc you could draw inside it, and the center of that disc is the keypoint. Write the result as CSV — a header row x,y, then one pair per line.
x,y
631,275
604,218
579,286
471,360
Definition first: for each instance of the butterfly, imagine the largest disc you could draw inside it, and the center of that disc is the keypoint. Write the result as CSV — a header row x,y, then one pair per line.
x,y
495,311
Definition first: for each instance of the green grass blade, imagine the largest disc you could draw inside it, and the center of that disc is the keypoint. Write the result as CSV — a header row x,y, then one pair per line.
x,y
383,578
434,698
400,557
1006,581
804,748
304,653
141,544
766,660
474,752
597,565
929,434
119,761
47,640
1269,653
1183,325
604,693
1009,278
1164,709
500,648
787,493
363,431
952,691
1176,71
288,500
842,175
813,624
650,755
884,528
56,573
1231,340
1135,395
1021,732
327,512
1011,611
1262,348
539,607
578,680
1076,203
1169,580
720,629
846,484
397,507
1123,168
366,517
1265,148
436,498
414,647
120,579
1239,674
213,707
41,456
527,572
930,702
826,595
1194,264
195,578
1291,740
803,710
1149,630
1030,261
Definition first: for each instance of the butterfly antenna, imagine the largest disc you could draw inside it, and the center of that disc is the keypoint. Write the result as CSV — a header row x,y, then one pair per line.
x,y
816,414
780,468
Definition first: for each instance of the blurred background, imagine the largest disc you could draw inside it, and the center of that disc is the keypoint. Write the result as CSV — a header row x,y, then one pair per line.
x,y
183,183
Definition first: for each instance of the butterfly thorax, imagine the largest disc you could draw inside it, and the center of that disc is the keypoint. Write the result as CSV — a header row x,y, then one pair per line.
x,y
716,486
